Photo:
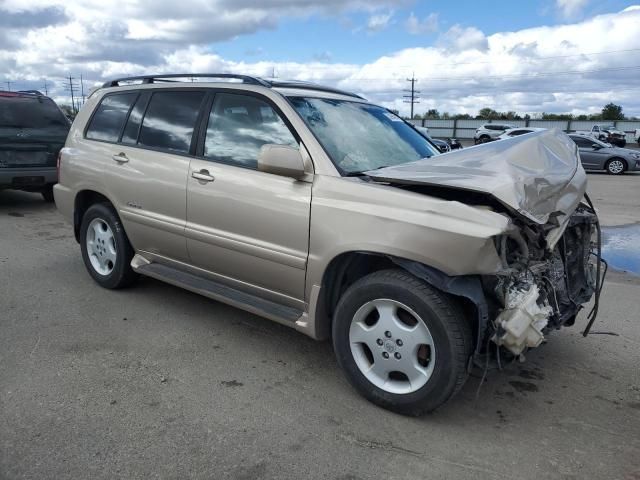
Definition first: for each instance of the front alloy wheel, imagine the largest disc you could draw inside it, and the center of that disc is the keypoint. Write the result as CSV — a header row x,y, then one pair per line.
x,y
392,346
402,344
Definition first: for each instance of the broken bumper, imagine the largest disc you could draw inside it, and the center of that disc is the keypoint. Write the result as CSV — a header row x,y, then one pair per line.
x,y
546,290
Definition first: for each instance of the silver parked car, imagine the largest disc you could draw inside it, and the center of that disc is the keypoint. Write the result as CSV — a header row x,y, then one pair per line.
x,y
316,209
597,155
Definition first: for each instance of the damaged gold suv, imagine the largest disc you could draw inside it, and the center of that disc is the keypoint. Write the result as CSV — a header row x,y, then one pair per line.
x,y
316,209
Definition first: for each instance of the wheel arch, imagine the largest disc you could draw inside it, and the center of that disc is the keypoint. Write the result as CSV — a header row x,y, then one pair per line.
x,y
83,200
347,267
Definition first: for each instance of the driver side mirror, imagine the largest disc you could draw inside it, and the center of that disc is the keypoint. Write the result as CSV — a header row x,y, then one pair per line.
x,y
281,160
595,146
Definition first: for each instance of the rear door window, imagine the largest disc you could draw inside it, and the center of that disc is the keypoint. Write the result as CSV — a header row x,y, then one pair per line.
x,y
108,120
239,125
170,120
132,128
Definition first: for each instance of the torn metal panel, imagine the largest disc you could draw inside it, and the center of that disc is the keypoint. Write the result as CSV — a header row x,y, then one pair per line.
x,y
536,175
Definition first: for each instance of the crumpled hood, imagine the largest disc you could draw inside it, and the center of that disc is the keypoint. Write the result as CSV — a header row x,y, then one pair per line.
x,y
536,174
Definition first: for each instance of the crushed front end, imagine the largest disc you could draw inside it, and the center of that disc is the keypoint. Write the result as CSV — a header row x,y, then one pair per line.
x,y
542,287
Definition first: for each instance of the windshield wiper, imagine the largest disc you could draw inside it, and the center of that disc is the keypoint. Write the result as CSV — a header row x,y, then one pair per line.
x,y
362,173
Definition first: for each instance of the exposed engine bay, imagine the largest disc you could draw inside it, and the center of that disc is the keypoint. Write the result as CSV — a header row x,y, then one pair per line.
x,y
541,288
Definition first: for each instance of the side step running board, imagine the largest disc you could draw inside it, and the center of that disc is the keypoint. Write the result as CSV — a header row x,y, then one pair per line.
x,y
222,293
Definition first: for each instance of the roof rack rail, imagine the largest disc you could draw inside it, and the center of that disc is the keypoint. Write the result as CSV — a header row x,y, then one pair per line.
x,y
250,80
166,78
31,92
311,86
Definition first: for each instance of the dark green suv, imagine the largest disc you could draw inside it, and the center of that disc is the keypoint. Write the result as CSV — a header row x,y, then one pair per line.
x,y
32,131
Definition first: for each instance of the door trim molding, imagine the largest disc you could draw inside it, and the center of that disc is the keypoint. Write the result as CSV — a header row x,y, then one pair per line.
x,y
264,251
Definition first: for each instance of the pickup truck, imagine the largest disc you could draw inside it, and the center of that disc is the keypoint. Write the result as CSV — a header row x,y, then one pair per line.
x,y
609,134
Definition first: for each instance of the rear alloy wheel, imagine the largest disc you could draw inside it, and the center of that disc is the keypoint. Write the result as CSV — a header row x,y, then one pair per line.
x,y
106,250
485,139
401,343
616,166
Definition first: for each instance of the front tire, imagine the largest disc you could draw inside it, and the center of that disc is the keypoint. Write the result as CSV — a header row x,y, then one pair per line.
x,y
402,344
616,166
106,250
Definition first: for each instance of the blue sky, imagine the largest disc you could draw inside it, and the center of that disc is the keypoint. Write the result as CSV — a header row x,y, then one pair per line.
x,y
524,56
346,39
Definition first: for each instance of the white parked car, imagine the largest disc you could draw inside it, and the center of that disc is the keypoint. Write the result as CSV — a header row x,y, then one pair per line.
x,y
515,132
490,131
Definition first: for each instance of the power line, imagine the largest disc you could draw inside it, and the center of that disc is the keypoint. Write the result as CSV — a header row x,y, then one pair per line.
x,y
412,97
481,77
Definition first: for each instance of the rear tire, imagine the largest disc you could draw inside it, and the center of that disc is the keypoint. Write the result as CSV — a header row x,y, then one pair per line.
x,y
402,344
616,166
47,194
106,250
485,139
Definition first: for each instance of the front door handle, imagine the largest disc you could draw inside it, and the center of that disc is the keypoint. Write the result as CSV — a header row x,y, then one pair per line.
x,y
120,158
203,176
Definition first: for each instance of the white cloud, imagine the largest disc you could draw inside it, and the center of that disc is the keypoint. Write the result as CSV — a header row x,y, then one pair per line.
x,y
379,21
570,8
465,70
415,26
460,38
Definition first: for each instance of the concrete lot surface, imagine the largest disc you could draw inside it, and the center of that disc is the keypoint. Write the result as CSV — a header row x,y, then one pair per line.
x,y
157,382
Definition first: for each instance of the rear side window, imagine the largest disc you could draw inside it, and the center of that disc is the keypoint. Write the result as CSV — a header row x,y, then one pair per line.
x,y
170,120
239,125
17,111
108,120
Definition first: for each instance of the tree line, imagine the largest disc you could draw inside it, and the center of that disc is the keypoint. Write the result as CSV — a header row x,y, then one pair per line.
x,y
610,111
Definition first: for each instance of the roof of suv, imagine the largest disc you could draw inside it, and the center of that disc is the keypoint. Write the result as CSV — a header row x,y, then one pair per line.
x,y
22,93
295,85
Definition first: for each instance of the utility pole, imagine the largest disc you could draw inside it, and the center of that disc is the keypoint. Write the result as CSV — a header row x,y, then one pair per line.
x,y
82,89
72,88
412,98
8,85
46,90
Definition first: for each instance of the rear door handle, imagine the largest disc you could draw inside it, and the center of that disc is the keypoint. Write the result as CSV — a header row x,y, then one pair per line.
x,y
203,176
120,158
